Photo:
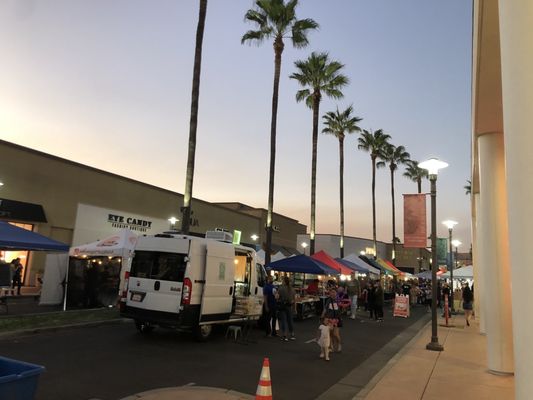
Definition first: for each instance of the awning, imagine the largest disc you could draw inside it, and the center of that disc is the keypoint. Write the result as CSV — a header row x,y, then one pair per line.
x,y
324,257
389,266
354,259
119,245
381,266
14,238
461,273
302,264
20,211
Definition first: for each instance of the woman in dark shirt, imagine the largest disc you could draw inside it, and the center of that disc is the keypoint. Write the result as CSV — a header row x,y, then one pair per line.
x,y
468,299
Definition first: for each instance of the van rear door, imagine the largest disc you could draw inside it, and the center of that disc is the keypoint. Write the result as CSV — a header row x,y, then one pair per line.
x,y
217,298
156,280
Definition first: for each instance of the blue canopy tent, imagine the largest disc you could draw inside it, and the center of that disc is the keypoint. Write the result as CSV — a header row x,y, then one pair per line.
x,y
302,264
14,238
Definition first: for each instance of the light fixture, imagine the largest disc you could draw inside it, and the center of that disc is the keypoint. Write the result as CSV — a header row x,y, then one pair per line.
x,y
433,165
456,243
362,252
1,183
449,223
173,220
254,237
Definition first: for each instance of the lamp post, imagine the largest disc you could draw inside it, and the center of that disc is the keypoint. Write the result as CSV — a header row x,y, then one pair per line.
x,y
450,224
456,244
173,221
432,166
304,246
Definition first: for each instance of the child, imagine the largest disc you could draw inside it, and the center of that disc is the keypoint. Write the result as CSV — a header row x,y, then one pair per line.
x,y
324,338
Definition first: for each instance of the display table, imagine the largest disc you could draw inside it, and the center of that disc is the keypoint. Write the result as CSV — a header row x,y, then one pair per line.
x,y
306,307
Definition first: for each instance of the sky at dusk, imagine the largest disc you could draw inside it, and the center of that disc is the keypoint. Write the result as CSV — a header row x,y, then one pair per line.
x,y
108,84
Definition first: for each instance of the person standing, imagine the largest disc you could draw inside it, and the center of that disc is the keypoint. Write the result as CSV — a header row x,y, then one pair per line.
x,y
269,293
324,337
332,312
285,309
17,275
378,302
353,293
372,300
468,300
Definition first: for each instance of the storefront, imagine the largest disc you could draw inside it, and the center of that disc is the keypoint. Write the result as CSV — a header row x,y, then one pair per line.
x,y
78,204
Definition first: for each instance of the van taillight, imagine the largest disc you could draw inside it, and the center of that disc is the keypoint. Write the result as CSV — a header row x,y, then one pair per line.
x,y
187,291
124,294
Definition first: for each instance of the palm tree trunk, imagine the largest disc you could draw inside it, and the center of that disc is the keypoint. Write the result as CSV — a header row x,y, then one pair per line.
x,y
187,196
374,206
419,185
393,218
278,50
341,186
316,106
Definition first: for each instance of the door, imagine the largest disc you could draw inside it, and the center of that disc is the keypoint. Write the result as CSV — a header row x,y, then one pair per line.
x,y
156,281
217,297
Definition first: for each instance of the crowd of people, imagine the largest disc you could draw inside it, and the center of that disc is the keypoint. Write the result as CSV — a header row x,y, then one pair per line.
x,y
346,299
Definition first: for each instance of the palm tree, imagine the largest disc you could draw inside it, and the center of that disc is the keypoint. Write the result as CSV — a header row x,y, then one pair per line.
x,y
276,20
416,174
374,143
339,124
187,196
319,76
395,156
468,187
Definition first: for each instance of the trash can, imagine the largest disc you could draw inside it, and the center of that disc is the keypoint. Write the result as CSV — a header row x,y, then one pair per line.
x,y
18,379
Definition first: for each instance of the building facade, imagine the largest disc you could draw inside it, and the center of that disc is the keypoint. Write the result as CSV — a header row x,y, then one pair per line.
x,y
502,189
77,204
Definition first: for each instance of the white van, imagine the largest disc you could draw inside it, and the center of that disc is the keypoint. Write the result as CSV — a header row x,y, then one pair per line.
x,y
191,283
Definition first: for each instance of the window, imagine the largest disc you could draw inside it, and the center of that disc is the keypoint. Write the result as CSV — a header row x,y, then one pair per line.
x,y
159,266
261,275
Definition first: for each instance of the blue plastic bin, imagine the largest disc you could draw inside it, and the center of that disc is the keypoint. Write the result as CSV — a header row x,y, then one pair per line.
x,y
18,379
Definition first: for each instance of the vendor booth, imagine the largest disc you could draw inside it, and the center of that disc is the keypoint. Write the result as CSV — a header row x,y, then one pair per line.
x,y
307,274
362,266
96,270
15,238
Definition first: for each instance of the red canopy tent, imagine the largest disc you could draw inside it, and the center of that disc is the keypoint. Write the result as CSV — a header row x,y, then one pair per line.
x,y
325,258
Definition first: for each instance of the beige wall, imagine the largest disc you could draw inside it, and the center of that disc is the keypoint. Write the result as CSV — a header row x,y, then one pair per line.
x,y
59,185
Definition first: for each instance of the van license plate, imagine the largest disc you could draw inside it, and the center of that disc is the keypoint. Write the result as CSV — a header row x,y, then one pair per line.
x,y
136,297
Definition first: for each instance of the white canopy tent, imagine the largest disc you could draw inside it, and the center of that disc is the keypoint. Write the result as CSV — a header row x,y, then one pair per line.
x,y
461,273
353,258
120,245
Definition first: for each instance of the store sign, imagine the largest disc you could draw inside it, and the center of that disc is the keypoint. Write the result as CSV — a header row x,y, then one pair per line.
x,y
132,223
96,223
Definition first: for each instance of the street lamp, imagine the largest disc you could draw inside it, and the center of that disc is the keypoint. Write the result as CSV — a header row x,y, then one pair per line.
x,y
173,221
432,166
304,245
456,244
450,224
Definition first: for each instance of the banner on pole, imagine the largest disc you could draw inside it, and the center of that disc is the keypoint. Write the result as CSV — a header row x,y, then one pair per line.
x,y
442,251
414,220
401,306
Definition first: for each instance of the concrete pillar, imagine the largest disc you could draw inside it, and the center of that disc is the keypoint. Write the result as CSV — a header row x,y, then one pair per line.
x,y
478,268
495,248
516,41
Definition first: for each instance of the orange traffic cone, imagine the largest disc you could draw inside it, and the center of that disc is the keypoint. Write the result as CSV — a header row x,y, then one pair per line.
x,y
264,388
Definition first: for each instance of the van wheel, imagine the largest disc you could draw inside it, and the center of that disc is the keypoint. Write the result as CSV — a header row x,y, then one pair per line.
x,y
203,332
144,327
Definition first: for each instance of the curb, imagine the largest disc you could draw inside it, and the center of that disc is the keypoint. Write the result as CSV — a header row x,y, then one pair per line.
x,y
174,392
44,329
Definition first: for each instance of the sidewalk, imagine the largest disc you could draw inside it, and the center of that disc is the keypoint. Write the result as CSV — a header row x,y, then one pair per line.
x,y
460,370
414,373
